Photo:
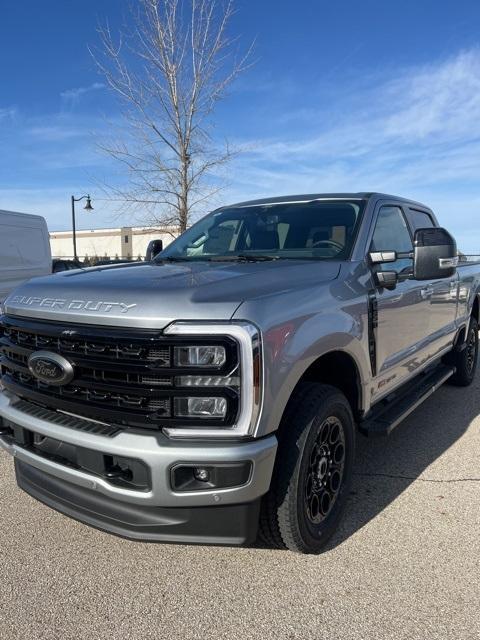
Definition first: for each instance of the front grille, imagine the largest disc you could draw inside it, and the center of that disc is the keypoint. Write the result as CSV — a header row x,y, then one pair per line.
x,y
113,350
123,377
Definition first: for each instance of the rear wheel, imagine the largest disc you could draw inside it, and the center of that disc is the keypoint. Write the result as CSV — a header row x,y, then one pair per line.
x,y
313,471
465,361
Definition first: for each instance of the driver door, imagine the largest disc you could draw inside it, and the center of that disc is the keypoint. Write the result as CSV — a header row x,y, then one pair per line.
x,y
402,312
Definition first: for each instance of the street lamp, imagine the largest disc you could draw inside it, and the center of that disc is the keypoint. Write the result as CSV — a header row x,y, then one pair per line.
x,y
87,207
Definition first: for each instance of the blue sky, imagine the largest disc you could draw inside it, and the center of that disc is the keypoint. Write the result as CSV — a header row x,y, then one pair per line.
x,y
371,95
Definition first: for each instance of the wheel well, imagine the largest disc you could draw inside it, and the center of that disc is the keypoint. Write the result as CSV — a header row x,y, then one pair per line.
x,y
339,370
475,308
462,334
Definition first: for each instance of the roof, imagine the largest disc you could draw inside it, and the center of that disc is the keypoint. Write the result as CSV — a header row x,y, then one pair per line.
x,y
118,230
307,197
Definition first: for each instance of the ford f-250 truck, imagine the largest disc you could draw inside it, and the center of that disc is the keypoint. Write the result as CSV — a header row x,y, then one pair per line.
x,y
216,392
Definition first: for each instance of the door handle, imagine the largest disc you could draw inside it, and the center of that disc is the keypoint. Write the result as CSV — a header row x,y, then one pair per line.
x,y
426,293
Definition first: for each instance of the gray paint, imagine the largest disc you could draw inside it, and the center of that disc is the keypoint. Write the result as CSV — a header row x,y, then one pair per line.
x,y
302,309
154,295
159,453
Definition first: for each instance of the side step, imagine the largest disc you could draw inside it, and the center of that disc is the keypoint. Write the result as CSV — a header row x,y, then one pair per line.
x,y
385,416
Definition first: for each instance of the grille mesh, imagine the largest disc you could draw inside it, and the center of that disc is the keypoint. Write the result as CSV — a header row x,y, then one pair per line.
x,y
110,350
121,377
116,376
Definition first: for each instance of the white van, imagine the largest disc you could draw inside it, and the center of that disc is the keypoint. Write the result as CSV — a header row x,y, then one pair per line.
x,y
24,249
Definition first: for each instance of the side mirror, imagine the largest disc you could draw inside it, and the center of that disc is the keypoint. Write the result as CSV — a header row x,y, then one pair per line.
x,y
435,254
153,249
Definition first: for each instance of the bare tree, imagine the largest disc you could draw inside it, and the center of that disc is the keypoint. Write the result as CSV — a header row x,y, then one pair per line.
x,y
169,70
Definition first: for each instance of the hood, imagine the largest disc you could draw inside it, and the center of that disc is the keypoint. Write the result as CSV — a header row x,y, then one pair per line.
x,y
153,295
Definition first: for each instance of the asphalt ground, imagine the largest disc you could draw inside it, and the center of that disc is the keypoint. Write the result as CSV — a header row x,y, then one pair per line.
x,y
404,564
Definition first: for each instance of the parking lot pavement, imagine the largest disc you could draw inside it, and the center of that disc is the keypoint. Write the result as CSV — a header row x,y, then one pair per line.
x,y
405,564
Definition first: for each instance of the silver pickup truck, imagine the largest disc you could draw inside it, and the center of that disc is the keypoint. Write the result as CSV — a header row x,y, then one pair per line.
x,y
215,393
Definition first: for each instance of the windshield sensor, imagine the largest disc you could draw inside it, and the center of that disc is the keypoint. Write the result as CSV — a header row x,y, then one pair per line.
x,y
160,258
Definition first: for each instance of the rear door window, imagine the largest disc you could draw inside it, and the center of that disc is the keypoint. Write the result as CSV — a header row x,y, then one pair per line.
x,y
419,219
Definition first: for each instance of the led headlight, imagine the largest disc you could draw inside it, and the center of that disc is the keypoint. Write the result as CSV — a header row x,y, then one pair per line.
x,y
201,407
200,356
224,380
207,381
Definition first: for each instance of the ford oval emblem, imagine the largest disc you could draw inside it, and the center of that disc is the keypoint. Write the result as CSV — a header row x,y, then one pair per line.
x,y
50,368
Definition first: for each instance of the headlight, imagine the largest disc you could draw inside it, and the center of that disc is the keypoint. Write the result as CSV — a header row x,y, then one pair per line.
x,y
202,407
200,356
209,404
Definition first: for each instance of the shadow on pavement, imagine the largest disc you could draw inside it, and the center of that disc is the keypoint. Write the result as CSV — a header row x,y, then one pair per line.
x,y
412,447
402,457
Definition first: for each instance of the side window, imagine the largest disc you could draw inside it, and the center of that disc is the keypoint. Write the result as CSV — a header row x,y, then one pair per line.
x,y
391,234
419,219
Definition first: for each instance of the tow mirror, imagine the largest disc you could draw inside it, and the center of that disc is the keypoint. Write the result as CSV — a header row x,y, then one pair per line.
x,y
435,254
153,249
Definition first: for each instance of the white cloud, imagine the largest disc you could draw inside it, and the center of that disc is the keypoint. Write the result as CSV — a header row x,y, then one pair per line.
x,y
416,135
438,100
71,97
55,132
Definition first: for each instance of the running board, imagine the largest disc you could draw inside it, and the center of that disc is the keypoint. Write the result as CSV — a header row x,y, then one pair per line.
x,y
389,413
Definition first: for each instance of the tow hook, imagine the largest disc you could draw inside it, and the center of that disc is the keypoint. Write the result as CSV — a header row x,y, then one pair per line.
x,y
117,473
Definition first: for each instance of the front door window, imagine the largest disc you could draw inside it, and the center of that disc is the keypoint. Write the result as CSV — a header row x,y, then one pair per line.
x,y
392,234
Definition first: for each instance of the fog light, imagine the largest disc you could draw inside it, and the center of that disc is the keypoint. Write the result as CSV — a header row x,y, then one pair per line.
x,y
200,356
197,477
201,474
207,407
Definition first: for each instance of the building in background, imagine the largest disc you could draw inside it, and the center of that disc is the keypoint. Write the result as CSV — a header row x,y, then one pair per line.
x,y
124,242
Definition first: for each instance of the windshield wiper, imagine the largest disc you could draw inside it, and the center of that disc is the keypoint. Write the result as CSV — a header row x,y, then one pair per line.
x,y
236,258
243,258
172,259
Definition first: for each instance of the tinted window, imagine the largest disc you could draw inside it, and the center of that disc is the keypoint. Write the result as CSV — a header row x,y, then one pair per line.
x,y
299,230
391,234
419,219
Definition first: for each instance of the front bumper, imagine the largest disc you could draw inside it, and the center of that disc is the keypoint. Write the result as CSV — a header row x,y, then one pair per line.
x,y
159,513
227,524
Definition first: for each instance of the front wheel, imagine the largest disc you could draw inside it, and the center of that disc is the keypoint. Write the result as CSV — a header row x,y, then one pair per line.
x,y
313,470
465,361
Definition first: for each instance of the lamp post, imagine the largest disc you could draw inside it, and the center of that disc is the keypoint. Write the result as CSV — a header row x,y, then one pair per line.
x,y
87,207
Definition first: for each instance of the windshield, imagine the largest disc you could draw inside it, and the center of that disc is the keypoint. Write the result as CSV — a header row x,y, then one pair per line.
x,y
318,230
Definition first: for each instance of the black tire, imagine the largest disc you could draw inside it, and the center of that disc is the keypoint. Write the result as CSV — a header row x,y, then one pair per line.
x,y
465,361
313,471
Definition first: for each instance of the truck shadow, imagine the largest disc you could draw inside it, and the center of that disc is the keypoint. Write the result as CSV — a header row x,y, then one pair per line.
x,y
386,467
